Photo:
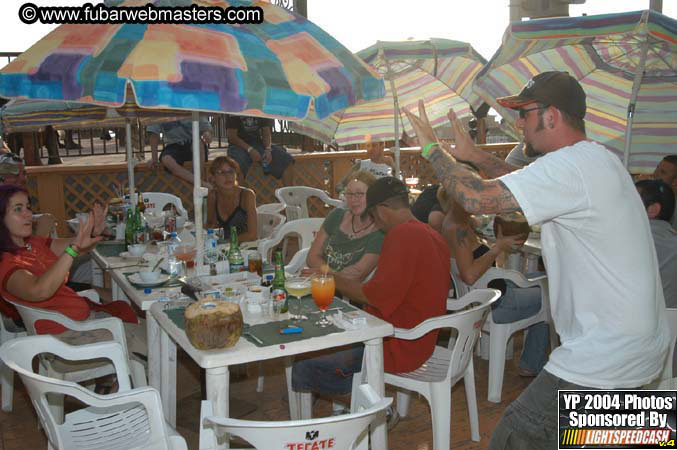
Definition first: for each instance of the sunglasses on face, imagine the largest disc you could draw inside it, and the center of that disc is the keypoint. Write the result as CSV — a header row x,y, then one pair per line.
x,y
523,112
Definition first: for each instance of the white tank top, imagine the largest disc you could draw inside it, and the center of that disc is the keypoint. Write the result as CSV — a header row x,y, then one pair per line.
x,y
379,170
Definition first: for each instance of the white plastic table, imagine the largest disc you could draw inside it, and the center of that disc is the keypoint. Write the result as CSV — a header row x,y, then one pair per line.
x,y
216,362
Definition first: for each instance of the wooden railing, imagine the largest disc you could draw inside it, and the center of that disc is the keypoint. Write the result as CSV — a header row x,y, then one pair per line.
x,y
65,190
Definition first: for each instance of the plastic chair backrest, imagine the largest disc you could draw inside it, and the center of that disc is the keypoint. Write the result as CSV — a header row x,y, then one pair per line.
x,y
31,316
126,419
306,229
297,262
471,311
273,208
335,432
459,286
156,201
295,199
267,223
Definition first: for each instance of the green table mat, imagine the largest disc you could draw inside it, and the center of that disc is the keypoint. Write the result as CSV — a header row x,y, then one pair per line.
x,y
109,249
269,333
168,283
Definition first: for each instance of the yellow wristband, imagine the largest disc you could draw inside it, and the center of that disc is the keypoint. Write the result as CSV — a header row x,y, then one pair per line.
x,y
426,150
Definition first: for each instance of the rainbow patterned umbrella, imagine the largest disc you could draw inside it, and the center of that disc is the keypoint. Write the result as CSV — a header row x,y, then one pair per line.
x,y
439,71
278,68
273,69
626,63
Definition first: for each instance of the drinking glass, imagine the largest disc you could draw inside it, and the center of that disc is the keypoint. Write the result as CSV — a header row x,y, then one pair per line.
x,y
255,263
186,254
323,286
296,287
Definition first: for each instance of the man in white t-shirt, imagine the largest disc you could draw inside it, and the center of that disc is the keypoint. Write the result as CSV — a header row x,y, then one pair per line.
x,y
595,235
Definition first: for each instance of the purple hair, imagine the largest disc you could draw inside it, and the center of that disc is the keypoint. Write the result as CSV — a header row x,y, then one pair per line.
x,y
6,192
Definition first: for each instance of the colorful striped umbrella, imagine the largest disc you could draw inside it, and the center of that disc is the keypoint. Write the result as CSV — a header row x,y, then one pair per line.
x,y
273,69
277,68
19,116
439,71
626,63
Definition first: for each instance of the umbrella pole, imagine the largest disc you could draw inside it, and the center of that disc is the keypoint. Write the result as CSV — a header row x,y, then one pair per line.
x,y
396,109
198,191
397,130
636,83
130,159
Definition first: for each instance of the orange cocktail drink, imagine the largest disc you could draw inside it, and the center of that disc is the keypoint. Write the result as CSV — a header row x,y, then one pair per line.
x,y
322,288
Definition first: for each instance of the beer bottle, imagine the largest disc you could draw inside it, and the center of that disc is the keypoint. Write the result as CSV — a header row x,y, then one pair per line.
x,y
139,227
279,293
235,259
141,204
129,228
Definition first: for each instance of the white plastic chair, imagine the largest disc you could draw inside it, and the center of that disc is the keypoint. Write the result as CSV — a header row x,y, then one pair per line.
x,y
272,208
128,419
297,262
8,331
66,370
344,432
268,223
500,333
305,229
156,201
447,365
295,200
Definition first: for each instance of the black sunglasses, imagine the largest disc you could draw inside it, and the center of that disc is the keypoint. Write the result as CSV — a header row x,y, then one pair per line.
x,y
523,112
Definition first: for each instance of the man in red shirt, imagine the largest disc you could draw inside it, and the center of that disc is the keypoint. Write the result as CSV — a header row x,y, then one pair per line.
x,y
410,285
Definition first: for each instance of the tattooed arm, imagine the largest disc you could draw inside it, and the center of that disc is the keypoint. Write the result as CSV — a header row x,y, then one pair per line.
x,y
466,150
475,195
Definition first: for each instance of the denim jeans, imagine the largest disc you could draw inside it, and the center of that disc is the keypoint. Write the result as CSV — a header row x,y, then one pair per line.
x,y
531,422
330,373
517,304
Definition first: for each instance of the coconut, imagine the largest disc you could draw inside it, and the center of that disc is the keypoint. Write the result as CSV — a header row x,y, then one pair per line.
x,y
512,224
213,323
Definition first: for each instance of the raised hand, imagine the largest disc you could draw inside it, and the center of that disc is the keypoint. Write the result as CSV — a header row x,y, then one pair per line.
x,y
465,147
84,240
421,124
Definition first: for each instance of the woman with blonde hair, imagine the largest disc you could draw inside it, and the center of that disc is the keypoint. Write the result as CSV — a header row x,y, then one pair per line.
x,y
474,258
230,204
349,241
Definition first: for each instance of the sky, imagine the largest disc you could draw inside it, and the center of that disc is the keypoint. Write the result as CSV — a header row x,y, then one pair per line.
x,y
358,24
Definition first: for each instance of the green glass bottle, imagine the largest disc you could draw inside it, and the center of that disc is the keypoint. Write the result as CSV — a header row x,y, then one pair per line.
x,y
235,259
279,292
129,228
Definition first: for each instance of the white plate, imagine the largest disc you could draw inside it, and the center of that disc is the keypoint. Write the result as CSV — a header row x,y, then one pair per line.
x,y
136,279
129,256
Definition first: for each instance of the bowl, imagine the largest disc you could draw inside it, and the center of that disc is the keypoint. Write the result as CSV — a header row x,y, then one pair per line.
x,y
149,277
137,249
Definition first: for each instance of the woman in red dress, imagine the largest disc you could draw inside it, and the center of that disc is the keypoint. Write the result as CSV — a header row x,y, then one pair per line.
x,y
34,269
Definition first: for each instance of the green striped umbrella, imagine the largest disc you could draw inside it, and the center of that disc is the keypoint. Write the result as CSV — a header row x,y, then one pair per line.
x,y
439,71
626,63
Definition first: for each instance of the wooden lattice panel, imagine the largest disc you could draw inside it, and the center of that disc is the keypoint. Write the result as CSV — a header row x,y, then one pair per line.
x,y
65,190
